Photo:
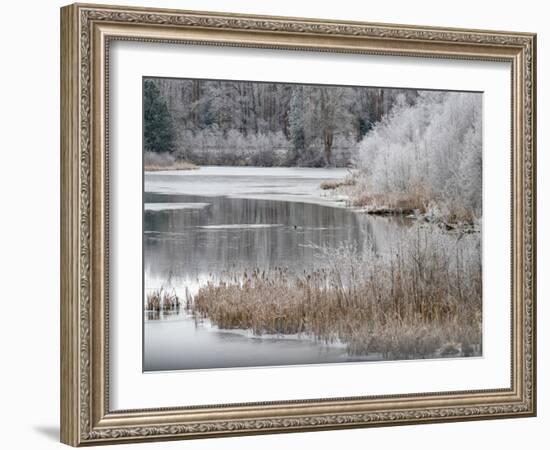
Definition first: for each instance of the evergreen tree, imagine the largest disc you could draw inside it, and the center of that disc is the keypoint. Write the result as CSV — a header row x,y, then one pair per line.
x,y
159,133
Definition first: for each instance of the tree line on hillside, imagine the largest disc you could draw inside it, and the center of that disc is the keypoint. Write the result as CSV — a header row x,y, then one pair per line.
x,y
261,124
409,150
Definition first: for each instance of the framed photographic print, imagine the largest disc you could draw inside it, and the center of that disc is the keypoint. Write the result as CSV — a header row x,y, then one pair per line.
x,y
274,224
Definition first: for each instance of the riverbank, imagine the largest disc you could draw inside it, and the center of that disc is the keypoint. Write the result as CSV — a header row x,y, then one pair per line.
x,y
415,204
154,162
176,165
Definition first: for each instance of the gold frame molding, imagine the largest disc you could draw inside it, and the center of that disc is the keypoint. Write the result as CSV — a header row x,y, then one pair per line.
x,y
86,31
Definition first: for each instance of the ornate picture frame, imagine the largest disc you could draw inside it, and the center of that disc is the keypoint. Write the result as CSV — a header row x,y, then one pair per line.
x,y
87,32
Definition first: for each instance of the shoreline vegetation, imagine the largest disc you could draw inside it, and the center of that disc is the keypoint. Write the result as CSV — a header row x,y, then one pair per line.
x,y
154,162
421,160
421,299
162,300
413,205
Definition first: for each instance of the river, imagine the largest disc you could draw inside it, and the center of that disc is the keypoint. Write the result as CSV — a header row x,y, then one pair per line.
x,y
199,223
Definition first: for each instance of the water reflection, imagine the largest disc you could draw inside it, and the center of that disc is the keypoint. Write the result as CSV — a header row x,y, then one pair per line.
x,y
152,315
189,244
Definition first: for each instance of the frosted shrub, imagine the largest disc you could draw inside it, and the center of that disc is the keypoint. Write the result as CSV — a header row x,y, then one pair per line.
x,y
433,146
212,147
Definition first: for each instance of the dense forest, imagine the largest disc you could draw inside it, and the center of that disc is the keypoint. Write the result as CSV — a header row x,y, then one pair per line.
x,y
262,124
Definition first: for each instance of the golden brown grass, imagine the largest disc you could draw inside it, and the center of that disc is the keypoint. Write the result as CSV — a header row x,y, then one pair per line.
x,y
176,165
416,199
335,184
422,299
162,300
165,161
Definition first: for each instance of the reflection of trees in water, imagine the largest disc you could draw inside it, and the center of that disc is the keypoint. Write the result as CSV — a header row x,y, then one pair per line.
x,y
381,231
175,240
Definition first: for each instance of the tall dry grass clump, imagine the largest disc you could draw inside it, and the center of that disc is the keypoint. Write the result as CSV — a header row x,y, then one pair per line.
x,y
414,200
335,184
421,298
154,162
162,300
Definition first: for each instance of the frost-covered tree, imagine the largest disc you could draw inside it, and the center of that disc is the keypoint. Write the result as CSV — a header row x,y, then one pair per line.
x,y
318,123
296,123
333,117
326,114
431,148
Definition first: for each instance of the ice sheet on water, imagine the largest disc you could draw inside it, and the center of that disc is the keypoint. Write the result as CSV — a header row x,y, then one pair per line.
x,y
289,184
173,206
269,172
240,226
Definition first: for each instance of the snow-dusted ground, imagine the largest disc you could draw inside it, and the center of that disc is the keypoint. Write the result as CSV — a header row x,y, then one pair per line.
x,y
174,206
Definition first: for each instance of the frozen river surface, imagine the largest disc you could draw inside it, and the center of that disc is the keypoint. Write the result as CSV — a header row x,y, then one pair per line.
x,y
291,184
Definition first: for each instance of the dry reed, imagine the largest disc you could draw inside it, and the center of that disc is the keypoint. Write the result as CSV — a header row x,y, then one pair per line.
x,y
177,165
335,184
162,300
165,161
420,299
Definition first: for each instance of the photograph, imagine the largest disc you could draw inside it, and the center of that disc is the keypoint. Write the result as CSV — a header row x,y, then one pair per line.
x,y
297,224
